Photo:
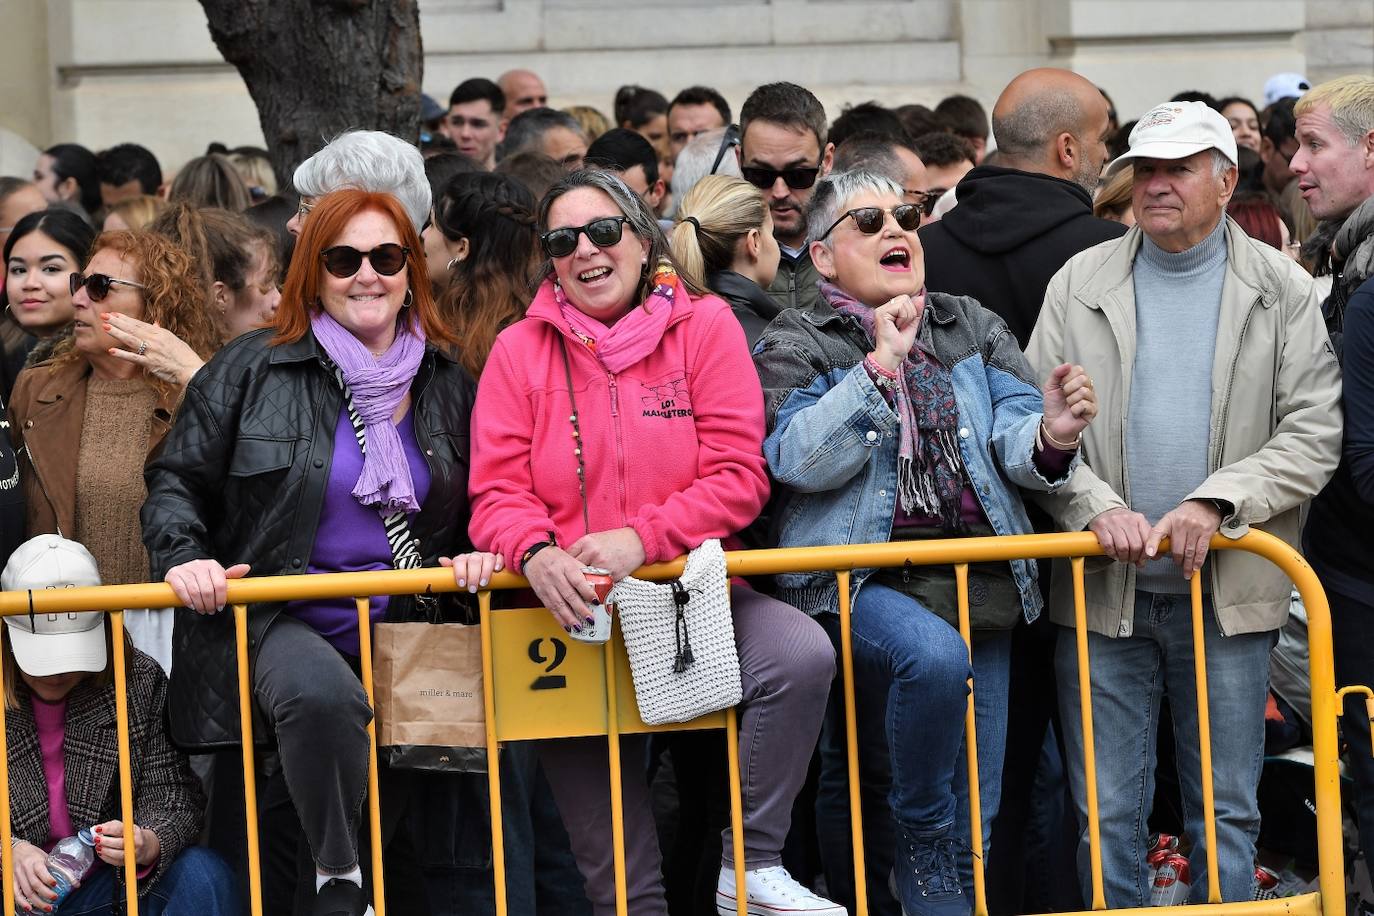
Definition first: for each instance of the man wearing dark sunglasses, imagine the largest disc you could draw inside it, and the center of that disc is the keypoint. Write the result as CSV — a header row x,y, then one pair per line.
x,y
782,152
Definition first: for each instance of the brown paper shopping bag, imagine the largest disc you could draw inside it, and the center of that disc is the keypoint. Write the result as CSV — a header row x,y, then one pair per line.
x,y
427,679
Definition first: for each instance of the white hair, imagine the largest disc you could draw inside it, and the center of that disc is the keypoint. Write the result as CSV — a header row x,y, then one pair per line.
x,y
833,194
369,160
695,159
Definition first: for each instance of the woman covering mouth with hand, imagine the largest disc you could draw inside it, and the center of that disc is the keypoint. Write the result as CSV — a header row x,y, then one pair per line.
x,y
898,414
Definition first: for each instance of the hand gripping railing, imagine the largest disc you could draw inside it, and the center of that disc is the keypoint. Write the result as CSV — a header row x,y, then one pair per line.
x,y
511,715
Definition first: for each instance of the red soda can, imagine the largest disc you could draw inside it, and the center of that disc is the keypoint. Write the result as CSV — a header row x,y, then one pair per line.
x,y
600,580
1172,882
1266,879
597,628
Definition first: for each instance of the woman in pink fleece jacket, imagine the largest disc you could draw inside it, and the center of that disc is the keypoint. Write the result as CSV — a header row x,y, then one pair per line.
x,y
669,421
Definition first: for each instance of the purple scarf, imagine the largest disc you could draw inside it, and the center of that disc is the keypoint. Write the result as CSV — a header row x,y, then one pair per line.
x,y
378,386
930,471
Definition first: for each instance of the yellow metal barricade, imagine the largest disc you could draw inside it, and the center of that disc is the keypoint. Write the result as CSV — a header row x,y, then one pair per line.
x,y
537,684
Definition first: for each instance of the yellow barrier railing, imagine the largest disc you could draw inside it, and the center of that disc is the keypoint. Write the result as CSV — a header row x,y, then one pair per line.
x,y
505,635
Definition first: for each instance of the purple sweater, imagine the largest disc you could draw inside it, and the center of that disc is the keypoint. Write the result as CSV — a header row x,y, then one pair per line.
x,y
350,537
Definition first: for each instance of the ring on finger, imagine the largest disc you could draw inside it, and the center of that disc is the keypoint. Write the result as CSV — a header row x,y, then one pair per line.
x,y
142,347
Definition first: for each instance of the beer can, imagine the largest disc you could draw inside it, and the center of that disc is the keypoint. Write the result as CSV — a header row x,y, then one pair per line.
x,y
1161,844
599,630
1172,882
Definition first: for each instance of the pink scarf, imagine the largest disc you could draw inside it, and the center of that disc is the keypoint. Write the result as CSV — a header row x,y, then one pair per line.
x,y
636,334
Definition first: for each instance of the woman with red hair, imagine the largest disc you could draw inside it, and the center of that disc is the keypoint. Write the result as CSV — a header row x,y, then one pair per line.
x,y
1256,214
334,441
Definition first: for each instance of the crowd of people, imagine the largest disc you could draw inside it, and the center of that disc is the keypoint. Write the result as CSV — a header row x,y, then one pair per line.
x,y
893,324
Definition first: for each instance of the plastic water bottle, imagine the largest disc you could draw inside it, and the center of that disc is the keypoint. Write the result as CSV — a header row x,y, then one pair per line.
x,y
69,863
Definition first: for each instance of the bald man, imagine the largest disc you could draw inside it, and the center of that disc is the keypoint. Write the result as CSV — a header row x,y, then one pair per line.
x,y
523,90
1017,222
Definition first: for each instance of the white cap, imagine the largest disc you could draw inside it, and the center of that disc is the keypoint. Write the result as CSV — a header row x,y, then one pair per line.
x,y
1284,86
46,644
1176,130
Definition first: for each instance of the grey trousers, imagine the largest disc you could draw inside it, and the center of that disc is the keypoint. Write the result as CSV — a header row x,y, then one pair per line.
x,y
316,705
786,665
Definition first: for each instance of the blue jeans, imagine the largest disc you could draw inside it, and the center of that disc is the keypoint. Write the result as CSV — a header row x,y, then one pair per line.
x,y
901,651
198,883
1129,676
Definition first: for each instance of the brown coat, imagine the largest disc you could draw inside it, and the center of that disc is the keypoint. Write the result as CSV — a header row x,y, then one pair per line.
x,y
47,409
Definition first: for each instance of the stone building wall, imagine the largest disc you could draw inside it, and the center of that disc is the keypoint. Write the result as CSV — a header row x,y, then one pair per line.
x,y
102,71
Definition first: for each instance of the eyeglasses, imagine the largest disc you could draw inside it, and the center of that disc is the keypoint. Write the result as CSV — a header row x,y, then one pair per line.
x,y
728,141
303,209
869,220
798,178
343,261
98,285
926,200
603,233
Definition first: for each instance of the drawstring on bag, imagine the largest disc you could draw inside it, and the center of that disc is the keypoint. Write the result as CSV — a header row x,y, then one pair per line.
x,y
683,640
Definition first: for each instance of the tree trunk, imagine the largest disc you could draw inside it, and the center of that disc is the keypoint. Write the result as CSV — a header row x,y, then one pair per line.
x,y
316,68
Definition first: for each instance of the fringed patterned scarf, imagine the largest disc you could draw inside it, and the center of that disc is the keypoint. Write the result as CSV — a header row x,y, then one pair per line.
x,y
930,472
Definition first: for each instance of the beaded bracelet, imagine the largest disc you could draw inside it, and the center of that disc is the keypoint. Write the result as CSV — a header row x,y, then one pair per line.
x,y
882,378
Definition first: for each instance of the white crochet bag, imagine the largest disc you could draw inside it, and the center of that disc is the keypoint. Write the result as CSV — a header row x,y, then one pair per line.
x,y
681,640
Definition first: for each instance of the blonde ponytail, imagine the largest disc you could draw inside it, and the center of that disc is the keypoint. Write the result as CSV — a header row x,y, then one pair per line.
x,y
713,217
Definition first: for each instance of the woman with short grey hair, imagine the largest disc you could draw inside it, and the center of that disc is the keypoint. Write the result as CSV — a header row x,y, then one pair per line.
x,y
368,160
899,414
619,424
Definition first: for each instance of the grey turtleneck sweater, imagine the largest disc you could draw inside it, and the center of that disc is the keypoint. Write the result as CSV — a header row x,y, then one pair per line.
x,y
1177,303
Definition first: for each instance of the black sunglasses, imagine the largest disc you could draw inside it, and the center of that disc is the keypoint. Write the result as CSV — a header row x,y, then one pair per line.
x,y
798,178
603,233
869,220
928,199
343,261
728,141
97,285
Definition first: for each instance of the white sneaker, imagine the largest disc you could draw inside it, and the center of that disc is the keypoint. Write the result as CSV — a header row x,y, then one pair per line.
x,y
772,892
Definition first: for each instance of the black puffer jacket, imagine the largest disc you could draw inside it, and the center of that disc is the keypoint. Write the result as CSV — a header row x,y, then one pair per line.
x,y
1011,232
241,478
751,304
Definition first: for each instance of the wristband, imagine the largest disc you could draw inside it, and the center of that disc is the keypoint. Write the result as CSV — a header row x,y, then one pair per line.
x,y
882,378
534,549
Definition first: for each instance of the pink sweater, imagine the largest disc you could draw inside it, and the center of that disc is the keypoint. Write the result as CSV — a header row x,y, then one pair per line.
x,y
50,721
673,445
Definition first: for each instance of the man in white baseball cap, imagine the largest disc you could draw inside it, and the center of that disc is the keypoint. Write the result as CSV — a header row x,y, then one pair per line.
x,y
48,644
1219,402
1176,130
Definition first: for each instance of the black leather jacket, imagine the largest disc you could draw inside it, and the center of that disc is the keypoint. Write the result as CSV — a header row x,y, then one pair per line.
x,y
241,478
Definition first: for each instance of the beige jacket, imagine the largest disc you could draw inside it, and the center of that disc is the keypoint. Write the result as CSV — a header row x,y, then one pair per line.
x,y
1276,419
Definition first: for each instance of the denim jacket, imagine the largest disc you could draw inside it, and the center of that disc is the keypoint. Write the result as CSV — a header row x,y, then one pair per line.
x,y
833,440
